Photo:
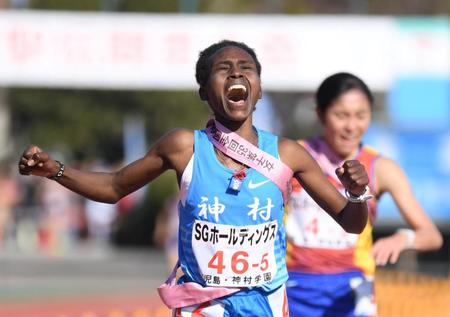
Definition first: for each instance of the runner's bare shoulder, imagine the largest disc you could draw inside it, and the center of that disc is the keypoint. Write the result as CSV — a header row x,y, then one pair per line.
x,y
292,153
177,146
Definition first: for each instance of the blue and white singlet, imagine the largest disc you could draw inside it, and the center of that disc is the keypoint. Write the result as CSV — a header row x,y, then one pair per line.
x,y
228,238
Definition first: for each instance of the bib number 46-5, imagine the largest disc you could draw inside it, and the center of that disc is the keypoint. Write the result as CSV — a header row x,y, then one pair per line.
x,y
244,256
239,262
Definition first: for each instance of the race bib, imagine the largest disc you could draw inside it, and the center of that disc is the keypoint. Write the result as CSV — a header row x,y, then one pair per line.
x,y
309,225
235,256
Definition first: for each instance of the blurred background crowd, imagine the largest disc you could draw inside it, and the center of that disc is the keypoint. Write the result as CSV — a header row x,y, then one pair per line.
x,y
96,82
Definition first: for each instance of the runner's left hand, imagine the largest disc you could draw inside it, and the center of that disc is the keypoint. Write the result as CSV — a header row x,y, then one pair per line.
x,y
353,176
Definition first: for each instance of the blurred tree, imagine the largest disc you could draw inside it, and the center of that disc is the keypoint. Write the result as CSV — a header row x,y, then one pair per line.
x,y
168,6
400,7
79,5
90,123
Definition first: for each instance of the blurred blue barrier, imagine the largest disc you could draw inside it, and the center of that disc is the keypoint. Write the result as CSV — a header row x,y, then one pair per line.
x,y
425,158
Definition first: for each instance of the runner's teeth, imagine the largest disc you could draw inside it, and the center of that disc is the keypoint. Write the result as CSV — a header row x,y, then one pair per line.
x,y
237,92
238,86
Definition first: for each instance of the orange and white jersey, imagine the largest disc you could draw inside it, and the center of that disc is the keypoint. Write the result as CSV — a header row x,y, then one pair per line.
x,y
316,243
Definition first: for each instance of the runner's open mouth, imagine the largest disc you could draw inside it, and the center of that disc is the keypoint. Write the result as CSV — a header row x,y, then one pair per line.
x,y
237,93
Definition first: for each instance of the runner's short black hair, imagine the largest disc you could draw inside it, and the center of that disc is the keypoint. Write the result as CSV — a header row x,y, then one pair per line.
x,y
204,62
336,85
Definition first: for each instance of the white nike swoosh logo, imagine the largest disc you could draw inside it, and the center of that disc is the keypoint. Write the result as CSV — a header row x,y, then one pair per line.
x,y
252,185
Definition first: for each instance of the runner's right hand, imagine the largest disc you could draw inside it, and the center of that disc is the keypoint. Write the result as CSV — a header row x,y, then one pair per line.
x,y
34,161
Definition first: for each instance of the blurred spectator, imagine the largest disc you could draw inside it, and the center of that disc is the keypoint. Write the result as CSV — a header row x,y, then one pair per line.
x,y
100,216
9,197
59,220
165,234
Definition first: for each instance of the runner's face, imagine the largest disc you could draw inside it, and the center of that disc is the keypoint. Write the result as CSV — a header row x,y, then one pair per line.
x,y
234,85
346,121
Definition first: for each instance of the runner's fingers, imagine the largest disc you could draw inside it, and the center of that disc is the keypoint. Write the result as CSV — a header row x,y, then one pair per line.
x,y
23,170
357,186
381,259
354,171
350,163
361,180
357,172
380,255
29,159
38,159
30,151
340,172
354,183
23,166
28,162
383,256
394,257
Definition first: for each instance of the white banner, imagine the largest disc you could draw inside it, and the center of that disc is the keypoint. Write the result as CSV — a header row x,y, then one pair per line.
x,y
154,51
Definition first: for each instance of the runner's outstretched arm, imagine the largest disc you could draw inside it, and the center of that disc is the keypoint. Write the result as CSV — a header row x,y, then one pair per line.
x,y
172,151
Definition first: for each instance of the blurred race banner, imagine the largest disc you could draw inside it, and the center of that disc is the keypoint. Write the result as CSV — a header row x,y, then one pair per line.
x,y
159,51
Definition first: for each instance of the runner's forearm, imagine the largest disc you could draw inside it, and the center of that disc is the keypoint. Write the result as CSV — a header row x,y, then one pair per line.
x,y
97,186
353,218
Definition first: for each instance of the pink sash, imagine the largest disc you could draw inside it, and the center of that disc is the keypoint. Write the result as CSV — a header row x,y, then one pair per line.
x,y
238,148
230,143
190,293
